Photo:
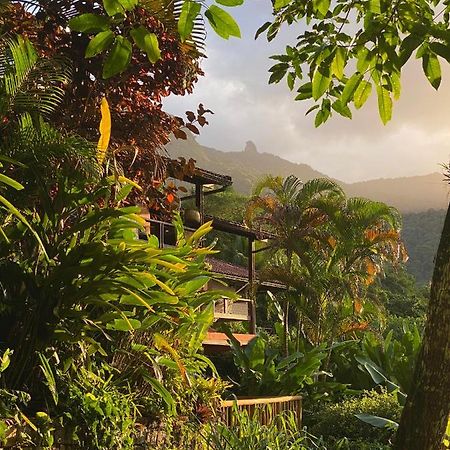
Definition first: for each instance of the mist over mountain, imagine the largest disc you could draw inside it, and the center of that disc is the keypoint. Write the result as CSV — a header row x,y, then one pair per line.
x,y
408,194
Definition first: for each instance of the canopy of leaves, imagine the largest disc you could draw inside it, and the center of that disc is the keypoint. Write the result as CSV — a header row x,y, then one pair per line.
x,y
351,48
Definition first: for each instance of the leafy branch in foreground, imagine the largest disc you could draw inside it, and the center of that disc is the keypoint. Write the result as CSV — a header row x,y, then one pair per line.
x,y
351,48
113,34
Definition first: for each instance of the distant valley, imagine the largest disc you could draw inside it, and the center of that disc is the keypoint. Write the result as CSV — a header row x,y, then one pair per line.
x,y
408,194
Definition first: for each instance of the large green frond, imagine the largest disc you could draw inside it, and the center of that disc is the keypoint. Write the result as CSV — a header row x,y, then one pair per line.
x,y
29,84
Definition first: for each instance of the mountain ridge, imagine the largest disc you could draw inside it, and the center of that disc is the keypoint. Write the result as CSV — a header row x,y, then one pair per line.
x,y
408,194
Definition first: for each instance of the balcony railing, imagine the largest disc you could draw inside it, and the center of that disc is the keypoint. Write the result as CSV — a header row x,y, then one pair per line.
x,y
262,409
239,309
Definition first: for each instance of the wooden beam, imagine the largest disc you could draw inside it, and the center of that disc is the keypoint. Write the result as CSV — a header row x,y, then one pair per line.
x,y
252,284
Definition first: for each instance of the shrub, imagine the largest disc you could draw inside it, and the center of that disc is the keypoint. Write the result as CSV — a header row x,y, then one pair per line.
x,y
338,421
247,433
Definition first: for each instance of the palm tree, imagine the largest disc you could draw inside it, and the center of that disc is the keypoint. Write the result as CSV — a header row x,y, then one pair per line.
x,y
362,236
292,211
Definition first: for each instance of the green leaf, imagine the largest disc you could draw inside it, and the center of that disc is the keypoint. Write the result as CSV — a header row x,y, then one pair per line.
x,y
189,12
162,392
441,50
101,42
320,83
342,110
89,23
379,422
262,28
384,104
222,22
10,182
350,88
408,45
321,6
291,80
147,42
129,4
191,286
230,2
338,64
118,58
375,6
396,85
113,7
365,58
320,118
280,4
304,91
432,69
124,325
362,93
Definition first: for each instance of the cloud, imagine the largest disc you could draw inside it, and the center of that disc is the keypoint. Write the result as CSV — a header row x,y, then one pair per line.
x,y
246,107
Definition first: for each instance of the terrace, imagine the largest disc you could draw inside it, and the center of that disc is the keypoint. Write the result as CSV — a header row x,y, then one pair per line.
x,y
241,280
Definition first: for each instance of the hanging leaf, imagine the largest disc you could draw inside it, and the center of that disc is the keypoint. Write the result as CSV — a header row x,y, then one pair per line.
x,y
350,88
432,69
362,93
396,84
129,4
230,2
222,22
281,4
89,23
113,7
101,42
189,13
320,83
375,6
338,64
105,131
147,42
321,6
384,104
118,59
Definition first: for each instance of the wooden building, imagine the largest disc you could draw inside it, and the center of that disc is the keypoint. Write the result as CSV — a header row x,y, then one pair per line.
x,y
241,280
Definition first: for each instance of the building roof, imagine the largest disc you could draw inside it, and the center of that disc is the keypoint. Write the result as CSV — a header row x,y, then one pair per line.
x,y
198,175
214,338
238,273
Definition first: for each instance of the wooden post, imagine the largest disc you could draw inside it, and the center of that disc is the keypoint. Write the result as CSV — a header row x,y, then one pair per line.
x,y
252,284
199,201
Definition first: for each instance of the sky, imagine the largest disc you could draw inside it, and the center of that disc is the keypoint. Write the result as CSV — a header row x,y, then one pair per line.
x,y
246,107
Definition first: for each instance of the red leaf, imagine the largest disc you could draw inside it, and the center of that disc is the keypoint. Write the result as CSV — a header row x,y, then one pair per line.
x,y
180,134
193,128
202,121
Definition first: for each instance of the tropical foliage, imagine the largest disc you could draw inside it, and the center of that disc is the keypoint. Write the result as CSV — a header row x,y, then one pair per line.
x,y
350,49
97,317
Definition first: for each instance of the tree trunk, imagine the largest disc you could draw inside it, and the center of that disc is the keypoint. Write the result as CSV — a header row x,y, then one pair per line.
x,y
426,412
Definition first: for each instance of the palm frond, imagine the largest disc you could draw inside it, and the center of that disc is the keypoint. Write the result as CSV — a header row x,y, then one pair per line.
x,y
268,182
29,84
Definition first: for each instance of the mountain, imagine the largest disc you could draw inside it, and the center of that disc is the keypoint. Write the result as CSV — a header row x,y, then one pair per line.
x,y
244,167
421,232
408,194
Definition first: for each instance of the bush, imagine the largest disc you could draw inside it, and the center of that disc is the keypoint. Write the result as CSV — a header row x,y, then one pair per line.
x,y
338,421
247,433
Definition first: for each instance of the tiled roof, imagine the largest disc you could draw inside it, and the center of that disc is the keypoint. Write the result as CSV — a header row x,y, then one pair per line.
x,y
226,268
238,272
